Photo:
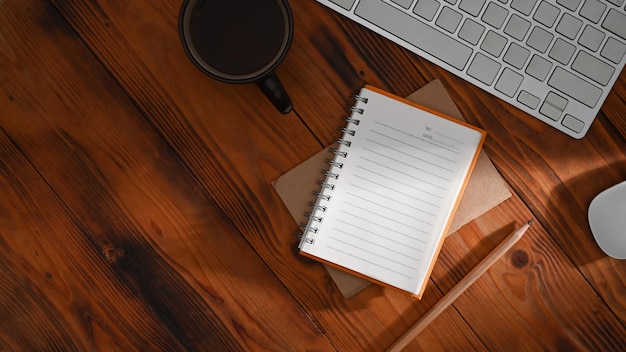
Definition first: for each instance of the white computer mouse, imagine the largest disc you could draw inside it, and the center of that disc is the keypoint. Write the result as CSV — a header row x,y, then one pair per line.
x,y
607,219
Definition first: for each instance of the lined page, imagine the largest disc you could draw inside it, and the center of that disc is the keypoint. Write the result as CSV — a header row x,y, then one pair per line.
x,y
394,193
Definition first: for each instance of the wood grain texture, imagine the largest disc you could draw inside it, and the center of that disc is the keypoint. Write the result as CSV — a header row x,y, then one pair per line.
x,y
142,256
139,213
239,179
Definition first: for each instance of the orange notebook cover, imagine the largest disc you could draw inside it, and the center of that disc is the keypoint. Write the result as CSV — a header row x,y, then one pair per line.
x,y
485,189
391,191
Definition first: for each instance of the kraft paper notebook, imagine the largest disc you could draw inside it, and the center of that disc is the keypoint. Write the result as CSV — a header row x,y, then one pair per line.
x,y
295,189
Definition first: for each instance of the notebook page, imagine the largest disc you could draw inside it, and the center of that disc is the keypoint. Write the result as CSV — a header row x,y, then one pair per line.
x,y
395,190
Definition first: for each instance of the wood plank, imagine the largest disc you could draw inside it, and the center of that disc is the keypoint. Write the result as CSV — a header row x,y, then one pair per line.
x,y
322,66
108,241
53,276
204,120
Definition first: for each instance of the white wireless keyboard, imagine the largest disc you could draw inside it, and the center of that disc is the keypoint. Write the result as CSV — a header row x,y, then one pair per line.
x,y
555,59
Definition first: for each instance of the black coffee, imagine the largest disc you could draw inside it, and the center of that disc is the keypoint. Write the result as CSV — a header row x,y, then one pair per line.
x,y
238,37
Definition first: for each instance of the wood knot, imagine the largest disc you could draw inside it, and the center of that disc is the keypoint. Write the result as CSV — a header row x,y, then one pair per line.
x,y
520,258
114,254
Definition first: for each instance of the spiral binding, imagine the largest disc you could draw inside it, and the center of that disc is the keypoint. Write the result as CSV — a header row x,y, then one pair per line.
x,y
353,120
327,185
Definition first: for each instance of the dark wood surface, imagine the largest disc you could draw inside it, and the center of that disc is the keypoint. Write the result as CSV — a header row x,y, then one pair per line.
x,y
137,213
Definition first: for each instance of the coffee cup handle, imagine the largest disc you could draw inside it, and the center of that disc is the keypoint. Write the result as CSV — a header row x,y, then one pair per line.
x,y
276,93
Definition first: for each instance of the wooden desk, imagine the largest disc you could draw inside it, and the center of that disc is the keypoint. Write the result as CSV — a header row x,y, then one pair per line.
x,y
136,211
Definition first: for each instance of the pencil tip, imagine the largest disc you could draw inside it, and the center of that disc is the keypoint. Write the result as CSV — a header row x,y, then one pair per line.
x,y
531,221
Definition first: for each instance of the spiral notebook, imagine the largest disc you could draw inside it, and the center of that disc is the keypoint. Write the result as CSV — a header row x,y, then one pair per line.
x,y
391,190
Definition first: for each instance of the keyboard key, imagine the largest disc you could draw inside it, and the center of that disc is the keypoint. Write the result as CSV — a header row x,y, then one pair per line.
x,y
432,41
591,38
509,82
346,4
449,19
593,68
426,9
516,56
493,43
404,3
617,3
569,26
553,106
616,23
571,5
593,10
562,51
483,69
546,14
471,31
539,67
472,7
528,99
575,87
613,50
540,39
495,15
517,27
524,6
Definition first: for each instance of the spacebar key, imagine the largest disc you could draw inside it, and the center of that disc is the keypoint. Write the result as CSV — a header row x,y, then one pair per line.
x,y
413,31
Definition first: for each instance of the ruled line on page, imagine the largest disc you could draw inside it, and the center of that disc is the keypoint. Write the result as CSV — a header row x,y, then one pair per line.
x,y
409,257
452,149
421,210
386,208
371,263
387,238
410,155
390,158
400,172
395,190
411,237
413,145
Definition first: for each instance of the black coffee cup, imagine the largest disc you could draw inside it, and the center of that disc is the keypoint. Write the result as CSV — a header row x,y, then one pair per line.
x,y
239,41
